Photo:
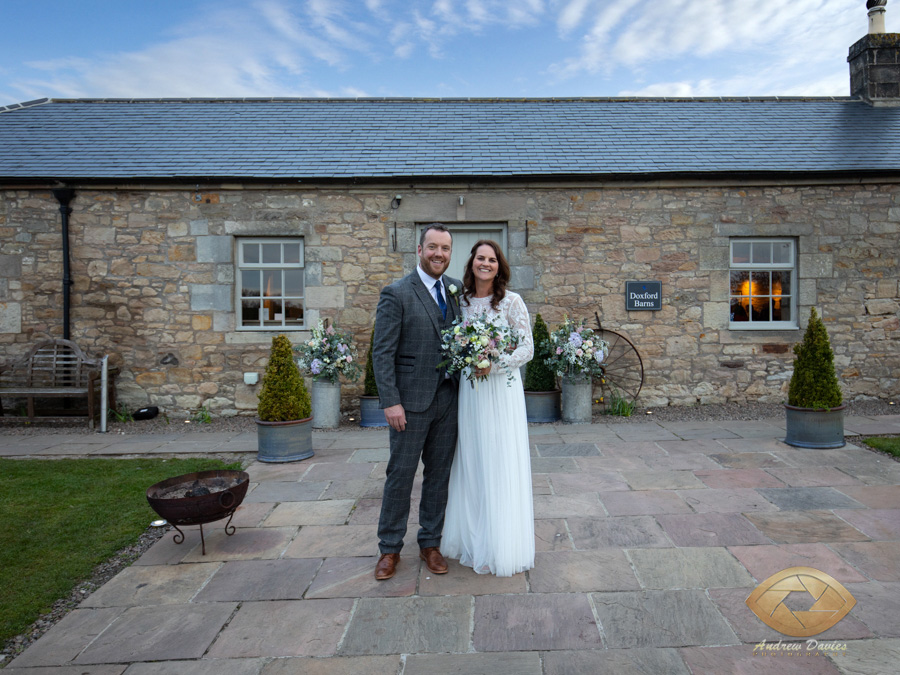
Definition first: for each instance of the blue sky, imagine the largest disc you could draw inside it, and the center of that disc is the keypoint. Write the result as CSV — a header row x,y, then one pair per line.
x,y
427,48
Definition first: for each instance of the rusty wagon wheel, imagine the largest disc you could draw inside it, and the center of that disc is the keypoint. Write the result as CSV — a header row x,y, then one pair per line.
x,y
623,373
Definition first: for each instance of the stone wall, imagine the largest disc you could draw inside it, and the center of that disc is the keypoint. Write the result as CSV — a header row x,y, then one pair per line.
x,y
154,273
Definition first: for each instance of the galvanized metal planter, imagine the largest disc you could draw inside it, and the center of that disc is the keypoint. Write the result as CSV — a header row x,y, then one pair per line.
x,y
811,428
326,404
288,441
576,399
370,415
542,406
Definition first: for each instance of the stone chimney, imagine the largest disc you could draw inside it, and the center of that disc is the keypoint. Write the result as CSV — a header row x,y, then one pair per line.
x,y
875,61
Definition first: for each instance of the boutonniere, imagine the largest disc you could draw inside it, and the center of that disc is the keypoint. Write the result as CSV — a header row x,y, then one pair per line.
x,y
452,289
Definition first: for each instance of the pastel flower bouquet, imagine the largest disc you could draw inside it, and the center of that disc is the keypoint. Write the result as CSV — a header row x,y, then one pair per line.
x,y
328,354
475,343
575,349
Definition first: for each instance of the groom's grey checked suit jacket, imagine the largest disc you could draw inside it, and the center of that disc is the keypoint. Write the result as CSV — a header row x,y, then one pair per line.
x,y
407,343
406,352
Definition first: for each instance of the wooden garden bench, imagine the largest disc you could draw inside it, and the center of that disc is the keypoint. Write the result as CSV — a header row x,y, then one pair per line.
x,y
54,369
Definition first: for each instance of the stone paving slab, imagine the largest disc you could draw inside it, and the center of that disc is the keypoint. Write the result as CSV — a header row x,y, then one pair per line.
x,y
201,667
644,432
552,535
371,455
738,478
693,447
368,511
682,462
286,492
69,670
798,527
510,623
869,657
324,471
554,465
660,619
748,460
623,532
167,552
764,561
355,578
874,496
250,515
882,524
366,488
568,450
595,481
582,572
284,628
643,503
507,663
461,580
250,580
741,659
345,541
409,626
162,633
64,641
878,560
809,498
152,585
338,665
878,606
637,448
711,529
813,477
334,512
661,480
731,602
765,444
247,543
646,661
695,430
664,568
609,463
290,472
559,506
733,500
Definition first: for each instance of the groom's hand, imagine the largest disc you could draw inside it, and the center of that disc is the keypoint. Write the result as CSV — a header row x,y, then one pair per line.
x,y
396,417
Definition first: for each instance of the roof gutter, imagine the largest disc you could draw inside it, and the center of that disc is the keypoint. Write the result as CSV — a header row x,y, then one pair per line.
x,y
65,197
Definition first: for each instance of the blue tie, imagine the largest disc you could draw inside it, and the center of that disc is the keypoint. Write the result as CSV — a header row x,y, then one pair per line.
x,y
440,298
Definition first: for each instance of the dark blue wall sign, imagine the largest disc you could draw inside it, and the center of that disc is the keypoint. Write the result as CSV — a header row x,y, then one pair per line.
x,y
643,295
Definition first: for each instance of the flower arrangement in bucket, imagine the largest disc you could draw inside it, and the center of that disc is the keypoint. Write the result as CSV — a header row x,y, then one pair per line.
x,y
575,350
328,354
576,354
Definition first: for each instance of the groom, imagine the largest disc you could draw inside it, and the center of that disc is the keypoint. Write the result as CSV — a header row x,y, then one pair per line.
x,y
418,398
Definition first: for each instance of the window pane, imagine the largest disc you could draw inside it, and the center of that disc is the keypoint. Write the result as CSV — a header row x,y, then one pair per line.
x,y
293,283
250,283
740,252
292,254
783,311
740,282
781,252
762,252
739,310
250,312
272,313
271,254
781,296
293,312
251,254
271,283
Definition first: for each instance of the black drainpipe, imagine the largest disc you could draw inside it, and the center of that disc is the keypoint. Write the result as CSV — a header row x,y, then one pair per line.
x,y
65,196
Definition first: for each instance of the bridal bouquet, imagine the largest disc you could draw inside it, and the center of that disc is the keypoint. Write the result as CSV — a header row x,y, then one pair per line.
x,y
575,349
328,354
473,343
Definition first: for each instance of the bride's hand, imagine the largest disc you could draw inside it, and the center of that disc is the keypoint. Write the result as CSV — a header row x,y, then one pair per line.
x,y
482,372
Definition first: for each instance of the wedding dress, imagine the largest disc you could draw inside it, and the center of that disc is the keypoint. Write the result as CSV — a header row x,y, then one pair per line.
x,y
489,523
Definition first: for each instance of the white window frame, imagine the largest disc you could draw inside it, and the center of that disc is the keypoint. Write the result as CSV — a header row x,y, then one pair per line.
x,y
749,266
242,266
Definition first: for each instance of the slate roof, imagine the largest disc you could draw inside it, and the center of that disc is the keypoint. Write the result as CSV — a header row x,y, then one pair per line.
x,y
377,139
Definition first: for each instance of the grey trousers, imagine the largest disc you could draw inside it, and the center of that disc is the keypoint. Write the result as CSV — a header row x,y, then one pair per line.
x,y
431,436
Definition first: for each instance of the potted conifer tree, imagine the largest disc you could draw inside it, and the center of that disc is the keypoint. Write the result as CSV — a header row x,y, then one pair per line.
x,y
814,410
541,392
370,412
284,425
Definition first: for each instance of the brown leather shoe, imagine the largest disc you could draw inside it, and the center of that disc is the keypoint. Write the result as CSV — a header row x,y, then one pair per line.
x,y
434,561
387,565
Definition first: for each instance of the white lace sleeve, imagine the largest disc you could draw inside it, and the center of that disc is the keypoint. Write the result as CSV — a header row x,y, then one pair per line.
x,y
519,322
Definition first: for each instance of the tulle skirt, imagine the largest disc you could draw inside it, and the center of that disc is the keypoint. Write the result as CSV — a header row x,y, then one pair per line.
x,y
489,525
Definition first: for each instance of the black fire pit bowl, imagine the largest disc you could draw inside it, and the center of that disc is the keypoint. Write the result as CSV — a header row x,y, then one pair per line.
x,y
197,498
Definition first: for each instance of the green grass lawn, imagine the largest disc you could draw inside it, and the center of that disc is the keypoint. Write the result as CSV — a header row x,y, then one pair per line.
x,y
61,518
888,445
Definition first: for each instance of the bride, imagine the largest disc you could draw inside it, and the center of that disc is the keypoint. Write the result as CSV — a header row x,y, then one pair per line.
x,y
489,524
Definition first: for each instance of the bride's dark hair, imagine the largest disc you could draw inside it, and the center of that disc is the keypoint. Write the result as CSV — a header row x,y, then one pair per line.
x,y
500,281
